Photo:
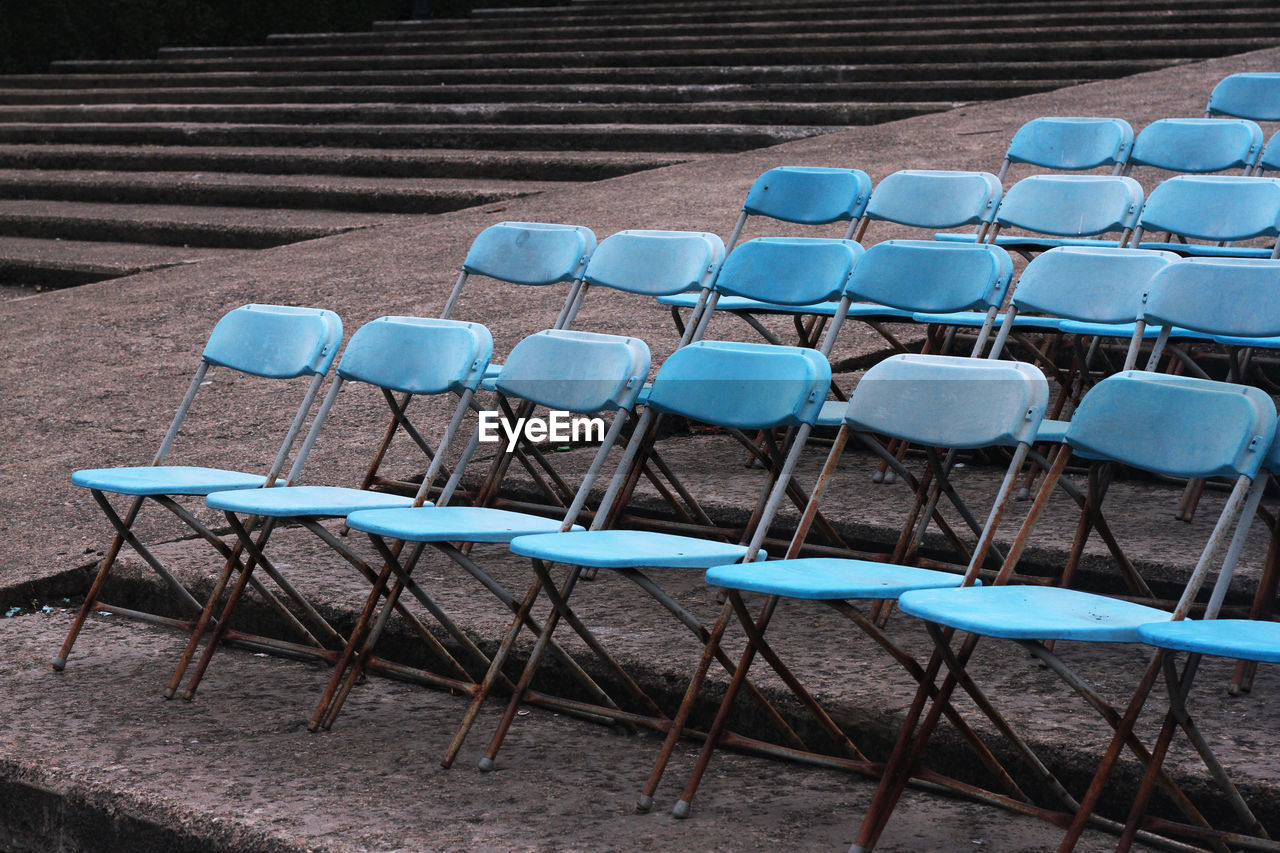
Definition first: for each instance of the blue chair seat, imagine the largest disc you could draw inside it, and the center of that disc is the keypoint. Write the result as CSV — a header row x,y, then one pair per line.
x,y
826,309
627,549
1262,343
1053,431
1243,639
975,319
822,578
1199,250
490,380
1122,330
300,501
165,480
1032,613
832,413
1013,241
450,524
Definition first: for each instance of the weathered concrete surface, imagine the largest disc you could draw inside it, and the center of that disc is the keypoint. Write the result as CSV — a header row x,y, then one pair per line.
x,y
90,376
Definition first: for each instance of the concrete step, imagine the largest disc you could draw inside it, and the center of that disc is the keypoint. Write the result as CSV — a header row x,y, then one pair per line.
x,y
307,192
957,32
727,112
834,22
352,162
876,91
176,225
67,263
666,138
673,75
975,51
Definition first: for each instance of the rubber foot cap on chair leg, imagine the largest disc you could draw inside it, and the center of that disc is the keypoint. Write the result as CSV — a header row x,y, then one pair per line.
x,y
877,477
59,664
1023,494
680,810
644,803
189,695
890,477
169,693
486,764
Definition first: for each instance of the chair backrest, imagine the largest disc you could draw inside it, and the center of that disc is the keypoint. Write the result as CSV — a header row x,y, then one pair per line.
x,y
1092,284
1071,205
656,263
275,341
742,385
789,270
1197,145
948,401
1070,144
935,199
574,371
1222,296
809,195
929,277
1175,425
1214,207
418,355
530,253
1270,159
1254,95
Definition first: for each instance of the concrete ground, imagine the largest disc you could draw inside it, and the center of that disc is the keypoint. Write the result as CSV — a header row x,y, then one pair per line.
x,y
90,376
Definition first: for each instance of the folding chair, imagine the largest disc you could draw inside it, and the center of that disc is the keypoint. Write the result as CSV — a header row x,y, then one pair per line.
x,y
1070,144
269,341
1270,157
934,401
1197,145
1173,425
934,200
737,386
800,195
405,355
1253,95
563,370
1071,210
1222,209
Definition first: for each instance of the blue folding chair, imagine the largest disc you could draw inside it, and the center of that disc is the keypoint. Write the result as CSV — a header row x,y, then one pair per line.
x,y
1071,144
736,386
1269,160
1219,209
1253,95
562,370
1171,425
269,341
406,355
935,401
934,200
1197,145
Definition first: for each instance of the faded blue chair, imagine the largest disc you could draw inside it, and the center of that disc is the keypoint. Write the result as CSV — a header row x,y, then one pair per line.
x,y
1068,210
1217,209
1171,425
269,341
737,386
1252,95
583,373
934,401
1197,145
1269,161
1071,144
934,200
406,355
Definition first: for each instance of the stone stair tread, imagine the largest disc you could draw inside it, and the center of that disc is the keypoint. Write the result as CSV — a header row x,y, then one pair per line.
x,y
107,260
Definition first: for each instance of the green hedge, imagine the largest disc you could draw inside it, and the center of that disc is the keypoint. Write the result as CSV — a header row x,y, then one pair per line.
x,y
36,32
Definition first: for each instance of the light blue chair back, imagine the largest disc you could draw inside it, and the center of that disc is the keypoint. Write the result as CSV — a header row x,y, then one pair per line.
x,y
935,199
418,355
1071,144
1072,205
275,341
1270,159
948,401
742,385
1196,145
1180,426
576,371
930,277
530,253
1237,297
789,270
1091,284
656,263
1254,95
1214,207
809,195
